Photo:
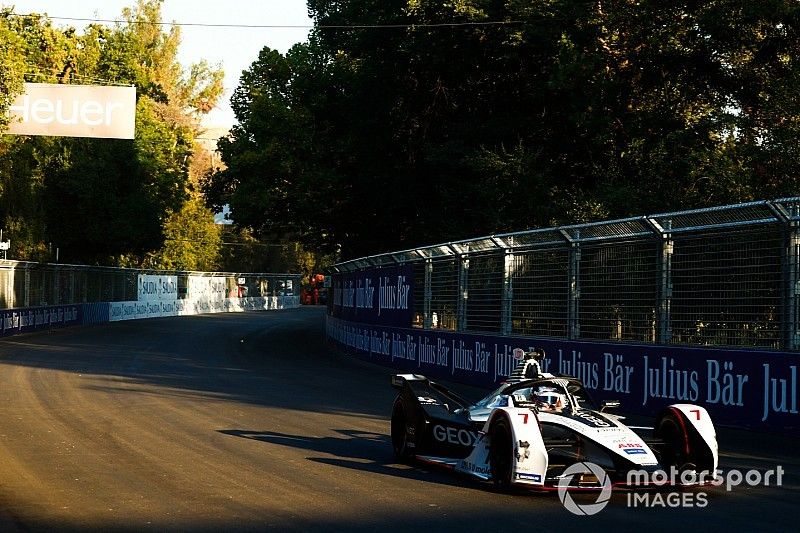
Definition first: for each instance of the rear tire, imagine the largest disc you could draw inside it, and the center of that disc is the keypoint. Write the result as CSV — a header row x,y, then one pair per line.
x,y
399,433
501,454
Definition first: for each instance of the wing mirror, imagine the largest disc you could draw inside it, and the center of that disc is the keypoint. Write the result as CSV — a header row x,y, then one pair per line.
x,y
609,404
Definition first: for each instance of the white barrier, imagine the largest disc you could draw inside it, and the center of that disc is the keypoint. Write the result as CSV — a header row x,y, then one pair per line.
x,y
134,310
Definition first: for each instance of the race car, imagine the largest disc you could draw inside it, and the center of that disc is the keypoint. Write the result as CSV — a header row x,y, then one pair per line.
x,y
536,425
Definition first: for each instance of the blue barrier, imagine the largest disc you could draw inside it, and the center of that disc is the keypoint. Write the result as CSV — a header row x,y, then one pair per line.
x,y
745,388
29,319
25,320
96,313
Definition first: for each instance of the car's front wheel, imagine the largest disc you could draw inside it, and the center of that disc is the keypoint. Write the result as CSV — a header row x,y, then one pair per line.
x,y
501,452
399,432
682,448
675,451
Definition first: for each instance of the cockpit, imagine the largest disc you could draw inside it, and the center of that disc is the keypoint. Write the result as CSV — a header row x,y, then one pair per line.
x,y
549,395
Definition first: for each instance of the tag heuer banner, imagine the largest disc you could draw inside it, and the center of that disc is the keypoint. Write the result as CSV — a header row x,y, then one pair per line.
x,y
74,111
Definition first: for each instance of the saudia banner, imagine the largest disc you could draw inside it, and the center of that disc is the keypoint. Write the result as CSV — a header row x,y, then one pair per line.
x,y
741,388
74,111
381,295
184,307
157,288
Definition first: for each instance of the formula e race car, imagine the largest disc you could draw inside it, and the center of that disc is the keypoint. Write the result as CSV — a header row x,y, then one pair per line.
x,y
535,426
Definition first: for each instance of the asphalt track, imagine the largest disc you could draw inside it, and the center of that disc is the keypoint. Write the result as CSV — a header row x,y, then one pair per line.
x,y
249,422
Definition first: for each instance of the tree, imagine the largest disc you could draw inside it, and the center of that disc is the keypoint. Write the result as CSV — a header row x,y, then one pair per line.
x,y
12,64
556,112
99,199
270,177
191,240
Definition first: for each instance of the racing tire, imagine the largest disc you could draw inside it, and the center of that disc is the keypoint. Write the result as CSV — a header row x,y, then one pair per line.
x,y
500,454
399,433
681,447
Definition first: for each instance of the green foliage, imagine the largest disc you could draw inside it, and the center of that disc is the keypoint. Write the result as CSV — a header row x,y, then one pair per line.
x,y
242,252
104,200
192,240
12,65
96,200
162,151
379,139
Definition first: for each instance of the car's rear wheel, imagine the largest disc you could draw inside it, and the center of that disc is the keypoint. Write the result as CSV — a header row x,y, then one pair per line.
x,y
399,432
501,454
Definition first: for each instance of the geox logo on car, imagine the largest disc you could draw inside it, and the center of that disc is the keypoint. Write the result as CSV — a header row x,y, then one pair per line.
x,y
451,435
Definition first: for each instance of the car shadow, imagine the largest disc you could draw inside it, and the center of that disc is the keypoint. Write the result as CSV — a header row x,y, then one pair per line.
x,y
361,450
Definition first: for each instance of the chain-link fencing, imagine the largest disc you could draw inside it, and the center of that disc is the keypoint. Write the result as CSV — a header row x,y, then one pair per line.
x,y
725,276
25,284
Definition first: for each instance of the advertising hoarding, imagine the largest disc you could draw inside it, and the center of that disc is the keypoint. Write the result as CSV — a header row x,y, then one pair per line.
x,y
23,320
376,296
156,288
74,111
747,388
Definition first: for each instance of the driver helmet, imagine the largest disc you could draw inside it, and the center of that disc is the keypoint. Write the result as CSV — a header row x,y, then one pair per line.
x,y
549,398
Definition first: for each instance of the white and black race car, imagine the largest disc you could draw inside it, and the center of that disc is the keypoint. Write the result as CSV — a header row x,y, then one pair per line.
x,y
536,425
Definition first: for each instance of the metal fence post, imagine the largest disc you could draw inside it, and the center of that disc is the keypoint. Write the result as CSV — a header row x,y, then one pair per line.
x,y
83,285
56,286
508,293
8,291
72,296
664,307
791,289
463,293
427,320
27,298
573,310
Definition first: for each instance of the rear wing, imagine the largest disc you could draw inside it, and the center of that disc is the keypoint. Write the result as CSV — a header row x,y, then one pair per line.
x,y
399,380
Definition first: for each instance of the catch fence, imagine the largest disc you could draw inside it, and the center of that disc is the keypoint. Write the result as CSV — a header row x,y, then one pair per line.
x,y
723,276
27,284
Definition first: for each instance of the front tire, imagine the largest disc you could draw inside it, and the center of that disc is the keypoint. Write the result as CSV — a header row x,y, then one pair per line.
x,y
683,447
675,451
501,454
399,433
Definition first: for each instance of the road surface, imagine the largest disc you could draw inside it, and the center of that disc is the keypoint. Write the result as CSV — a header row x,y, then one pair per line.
x,y
249,422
